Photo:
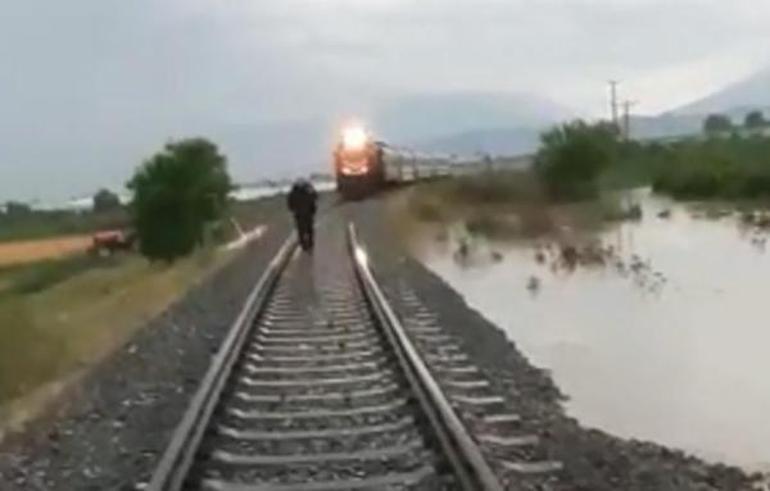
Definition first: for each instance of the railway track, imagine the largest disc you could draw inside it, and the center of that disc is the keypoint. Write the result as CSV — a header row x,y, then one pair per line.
x,y
318,387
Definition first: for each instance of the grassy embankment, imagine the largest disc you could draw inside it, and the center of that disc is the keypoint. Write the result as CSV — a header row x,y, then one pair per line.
x,y
48,325
59,318
62,315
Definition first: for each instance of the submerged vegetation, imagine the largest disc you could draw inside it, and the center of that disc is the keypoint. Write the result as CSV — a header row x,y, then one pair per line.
x,y
502,205
579,174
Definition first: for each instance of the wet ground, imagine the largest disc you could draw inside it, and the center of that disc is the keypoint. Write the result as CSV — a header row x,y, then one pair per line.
x,y
655,329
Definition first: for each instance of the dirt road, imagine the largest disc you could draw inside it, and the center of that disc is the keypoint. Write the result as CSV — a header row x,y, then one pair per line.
x,y
29,251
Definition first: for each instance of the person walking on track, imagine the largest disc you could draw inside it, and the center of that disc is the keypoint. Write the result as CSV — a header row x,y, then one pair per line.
x,y
302,201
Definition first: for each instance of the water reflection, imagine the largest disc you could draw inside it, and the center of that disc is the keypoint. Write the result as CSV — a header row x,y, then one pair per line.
x,y
655,329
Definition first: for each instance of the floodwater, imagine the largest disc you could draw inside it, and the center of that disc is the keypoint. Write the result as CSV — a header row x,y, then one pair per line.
x,y
675,350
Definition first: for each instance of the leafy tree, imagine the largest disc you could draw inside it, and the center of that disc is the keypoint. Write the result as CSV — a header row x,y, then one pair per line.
x,y
106,200
754,119
176,193
572,156
717,123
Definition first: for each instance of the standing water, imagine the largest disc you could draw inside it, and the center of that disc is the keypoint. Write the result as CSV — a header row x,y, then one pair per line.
x,y
670,343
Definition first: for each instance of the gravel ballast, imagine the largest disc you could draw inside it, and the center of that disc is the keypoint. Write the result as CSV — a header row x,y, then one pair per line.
x,y
593,460
114,427
315,293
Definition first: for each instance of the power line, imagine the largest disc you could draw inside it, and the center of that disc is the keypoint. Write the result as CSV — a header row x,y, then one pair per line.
x,y
627,105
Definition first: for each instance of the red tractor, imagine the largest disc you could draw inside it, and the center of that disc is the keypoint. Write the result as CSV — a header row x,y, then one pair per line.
x,y
108,242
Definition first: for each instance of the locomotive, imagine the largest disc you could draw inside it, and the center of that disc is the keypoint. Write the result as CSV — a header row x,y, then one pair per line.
x,y
358,163
363,165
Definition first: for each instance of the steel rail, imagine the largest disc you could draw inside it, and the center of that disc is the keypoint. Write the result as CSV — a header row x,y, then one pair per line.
x,y
453,441
178,457
465,457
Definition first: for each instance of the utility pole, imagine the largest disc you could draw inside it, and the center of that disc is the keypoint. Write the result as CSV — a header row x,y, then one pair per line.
x,y
614,101
627,105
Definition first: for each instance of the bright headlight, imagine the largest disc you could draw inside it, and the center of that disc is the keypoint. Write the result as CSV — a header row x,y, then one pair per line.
x,y
354,138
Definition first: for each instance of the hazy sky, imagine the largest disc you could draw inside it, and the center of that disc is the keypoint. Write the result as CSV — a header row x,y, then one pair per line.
x,y
90,87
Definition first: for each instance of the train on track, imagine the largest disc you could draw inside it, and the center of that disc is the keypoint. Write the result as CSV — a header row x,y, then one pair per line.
x,y
357,393
339,398
363,165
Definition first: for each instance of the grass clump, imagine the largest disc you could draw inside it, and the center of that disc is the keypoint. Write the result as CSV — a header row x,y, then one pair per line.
x,y
427,209
495,204
29,354
493,187
491,225
436,201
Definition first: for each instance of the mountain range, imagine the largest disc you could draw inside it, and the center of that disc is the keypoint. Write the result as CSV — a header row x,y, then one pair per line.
x,y
520,135
737,98
466,123
430,118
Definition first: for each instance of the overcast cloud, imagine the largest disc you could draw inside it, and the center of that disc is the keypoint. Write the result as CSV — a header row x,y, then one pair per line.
x,y
90,87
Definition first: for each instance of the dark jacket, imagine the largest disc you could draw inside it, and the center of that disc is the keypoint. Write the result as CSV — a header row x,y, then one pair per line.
x,y
302,199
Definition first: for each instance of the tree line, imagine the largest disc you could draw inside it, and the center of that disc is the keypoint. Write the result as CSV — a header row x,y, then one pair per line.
x,y
179,196
577,160
721,123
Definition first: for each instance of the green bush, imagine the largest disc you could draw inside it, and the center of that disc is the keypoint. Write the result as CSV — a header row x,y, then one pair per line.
x,y
717,123
105,200
754,119
176,193
716,168
634,165
572,156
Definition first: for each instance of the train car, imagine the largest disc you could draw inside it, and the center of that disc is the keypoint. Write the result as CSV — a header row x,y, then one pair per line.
x,y
399,164
363,165
359,164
